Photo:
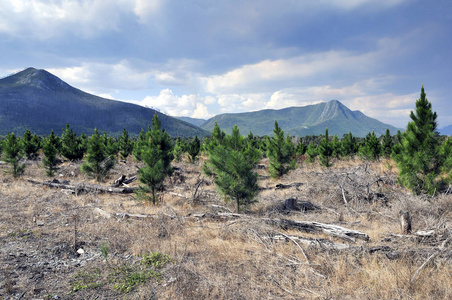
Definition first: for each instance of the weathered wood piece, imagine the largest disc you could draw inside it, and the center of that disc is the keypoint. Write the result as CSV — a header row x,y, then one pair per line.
x,y
85,187
310,227
405,222
286,186
119,181
309,242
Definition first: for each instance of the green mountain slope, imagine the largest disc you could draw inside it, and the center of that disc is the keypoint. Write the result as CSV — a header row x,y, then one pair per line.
x,y
194,121
37,100
302,121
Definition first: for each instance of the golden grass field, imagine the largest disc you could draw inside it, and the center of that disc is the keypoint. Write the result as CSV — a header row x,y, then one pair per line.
x,y
196,257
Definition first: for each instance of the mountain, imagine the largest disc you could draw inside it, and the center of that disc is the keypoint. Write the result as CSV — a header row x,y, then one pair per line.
x,y
37,100
446,130
302,121
194,121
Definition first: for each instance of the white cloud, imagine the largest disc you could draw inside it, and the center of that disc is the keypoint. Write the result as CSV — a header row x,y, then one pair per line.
x,y
285,71
185,105
105,78
47,19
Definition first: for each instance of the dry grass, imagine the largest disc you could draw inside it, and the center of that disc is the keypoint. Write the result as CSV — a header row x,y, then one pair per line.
x,y
40,229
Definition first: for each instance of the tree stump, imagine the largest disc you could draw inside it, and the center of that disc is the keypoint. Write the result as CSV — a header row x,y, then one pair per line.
x,y
291,204
405,222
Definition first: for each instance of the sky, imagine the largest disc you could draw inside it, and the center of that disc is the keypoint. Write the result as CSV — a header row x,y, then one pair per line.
x,y
204,58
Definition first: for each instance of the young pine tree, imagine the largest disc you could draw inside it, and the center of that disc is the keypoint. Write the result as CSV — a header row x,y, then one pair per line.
x,y
140,144
387,144
349,144
418,156
125,145
97,162
157,155
312,152
70,144
12,154
49,148
193,149
232,164
31,145
372,148
178,150
280,152
338,150
325,150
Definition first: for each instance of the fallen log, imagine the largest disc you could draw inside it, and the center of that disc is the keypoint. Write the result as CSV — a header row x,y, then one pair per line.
x,y
280,186
312,227
85,187
310,242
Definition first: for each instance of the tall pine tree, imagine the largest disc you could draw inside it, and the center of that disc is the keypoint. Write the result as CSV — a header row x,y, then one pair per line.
x,y
418,156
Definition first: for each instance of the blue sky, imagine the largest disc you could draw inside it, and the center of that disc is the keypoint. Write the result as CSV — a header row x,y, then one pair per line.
x,y
202,58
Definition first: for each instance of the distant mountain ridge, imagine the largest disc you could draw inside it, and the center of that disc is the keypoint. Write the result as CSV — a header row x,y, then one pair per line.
x,y
302,121
194,121
37,100
447,130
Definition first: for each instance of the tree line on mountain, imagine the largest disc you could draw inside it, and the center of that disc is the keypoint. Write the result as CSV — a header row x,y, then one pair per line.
x,y
423,157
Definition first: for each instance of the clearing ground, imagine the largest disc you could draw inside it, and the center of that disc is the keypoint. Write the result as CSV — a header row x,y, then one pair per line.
x,y
55,244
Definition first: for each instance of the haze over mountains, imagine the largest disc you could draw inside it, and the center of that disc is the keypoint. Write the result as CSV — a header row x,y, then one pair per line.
x,y
37,100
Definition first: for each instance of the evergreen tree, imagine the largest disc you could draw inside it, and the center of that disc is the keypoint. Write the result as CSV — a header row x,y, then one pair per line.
x,y
125,145
312,152
111,148
349,144
280,153
336,144
178,150
232,164
157,156
419,158
388,144
217,138
446,154
193,149
71,147
140,144
49,148
31,145
325,150
97,162
12,154
372,147
301,148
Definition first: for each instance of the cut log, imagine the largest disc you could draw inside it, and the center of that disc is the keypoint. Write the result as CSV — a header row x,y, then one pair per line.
x,y
119,181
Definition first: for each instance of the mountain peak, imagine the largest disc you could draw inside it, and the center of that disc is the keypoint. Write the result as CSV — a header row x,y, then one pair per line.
x,y
40,79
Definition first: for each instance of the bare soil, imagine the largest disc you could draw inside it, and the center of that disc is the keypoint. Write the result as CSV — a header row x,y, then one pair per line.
x,y
56,245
